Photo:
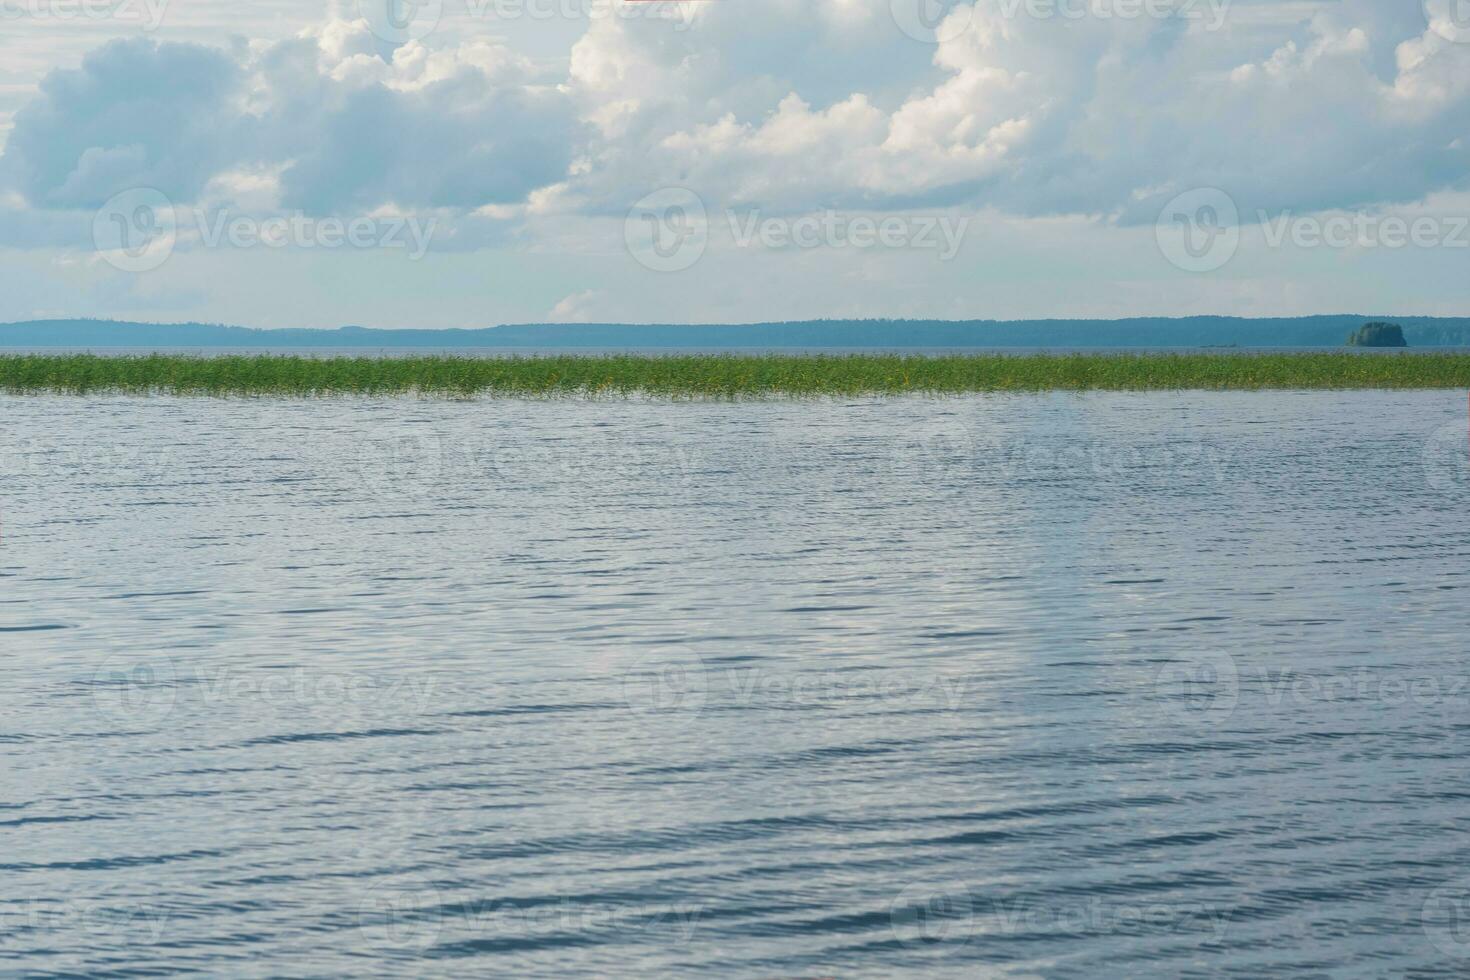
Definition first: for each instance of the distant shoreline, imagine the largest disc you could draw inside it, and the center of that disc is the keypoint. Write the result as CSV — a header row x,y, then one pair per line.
x,y
724,376
1193,333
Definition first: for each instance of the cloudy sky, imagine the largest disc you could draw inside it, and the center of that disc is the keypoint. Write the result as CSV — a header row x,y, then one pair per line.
x,y
471,162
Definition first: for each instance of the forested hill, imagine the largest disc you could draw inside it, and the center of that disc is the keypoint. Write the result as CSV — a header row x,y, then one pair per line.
x,y
1203,331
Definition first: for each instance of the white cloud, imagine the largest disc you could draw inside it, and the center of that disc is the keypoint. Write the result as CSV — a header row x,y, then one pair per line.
x,y
576,308
339,128
1345,105
787,106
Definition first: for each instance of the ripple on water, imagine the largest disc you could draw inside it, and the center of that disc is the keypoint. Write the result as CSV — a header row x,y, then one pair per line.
x,y
1115,684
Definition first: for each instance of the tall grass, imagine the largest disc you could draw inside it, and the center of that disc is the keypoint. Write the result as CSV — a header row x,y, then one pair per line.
x,y
723,376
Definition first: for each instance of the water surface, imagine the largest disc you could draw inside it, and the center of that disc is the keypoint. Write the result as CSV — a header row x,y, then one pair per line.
x,y
1056,685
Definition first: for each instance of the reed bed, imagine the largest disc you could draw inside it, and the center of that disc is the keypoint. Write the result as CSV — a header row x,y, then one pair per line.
x,y
722,376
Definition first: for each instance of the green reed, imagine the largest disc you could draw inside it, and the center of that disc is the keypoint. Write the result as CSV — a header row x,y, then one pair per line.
x,y
723,376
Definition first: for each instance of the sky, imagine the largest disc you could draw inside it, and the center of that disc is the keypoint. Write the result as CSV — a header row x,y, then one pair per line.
x,y
462,163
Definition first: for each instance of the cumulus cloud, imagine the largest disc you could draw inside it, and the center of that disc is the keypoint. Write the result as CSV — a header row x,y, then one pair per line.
x,y
788,105
576,308
135,114
1318,105
322,120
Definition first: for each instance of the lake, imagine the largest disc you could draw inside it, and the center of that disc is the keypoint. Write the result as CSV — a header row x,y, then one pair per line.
x,y
1070,685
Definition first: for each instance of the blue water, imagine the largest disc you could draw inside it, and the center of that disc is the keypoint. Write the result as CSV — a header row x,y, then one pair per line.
x,y
1064,686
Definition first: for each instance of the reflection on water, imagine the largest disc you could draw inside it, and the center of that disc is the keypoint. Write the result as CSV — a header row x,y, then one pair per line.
x,y
1044,685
